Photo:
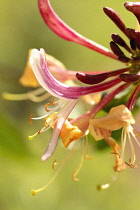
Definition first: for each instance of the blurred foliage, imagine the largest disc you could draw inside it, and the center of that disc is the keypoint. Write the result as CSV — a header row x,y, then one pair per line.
x,y
22,28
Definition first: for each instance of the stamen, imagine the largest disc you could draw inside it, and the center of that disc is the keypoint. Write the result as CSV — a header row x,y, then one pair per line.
x,y
119,166
30,119
130,165
48,104
80,165
31,95
68,156
107,185
133,157
34,192
103,187
86,154
31,137
53,164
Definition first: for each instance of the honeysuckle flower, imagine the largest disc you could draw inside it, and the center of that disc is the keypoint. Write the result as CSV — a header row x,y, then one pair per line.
x,y
129,76
73,129
68,94
28,79
51,75
118,117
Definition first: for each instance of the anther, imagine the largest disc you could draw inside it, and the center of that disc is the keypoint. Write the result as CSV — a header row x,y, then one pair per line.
x,y
31,137
30,119
33,192
131,165
48,104
53,164
103,187
116,153
38,132
87,157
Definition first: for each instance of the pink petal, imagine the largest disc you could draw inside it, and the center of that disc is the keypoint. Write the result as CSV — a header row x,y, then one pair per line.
x,y
67,33
133,7
56,88
59,124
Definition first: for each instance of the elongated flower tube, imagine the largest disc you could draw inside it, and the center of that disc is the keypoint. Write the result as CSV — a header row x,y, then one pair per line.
x,y
70,94
67,33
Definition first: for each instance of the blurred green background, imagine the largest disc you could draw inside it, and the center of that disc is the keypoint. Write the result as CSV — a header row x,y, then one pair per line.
x,y
22,28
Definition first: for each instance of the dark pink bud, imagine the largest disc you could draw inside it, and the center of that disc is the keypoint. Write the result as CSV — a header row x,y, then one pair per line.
x,y
129,78
133,34
117,51
133,7
118,40
133,44
95,79
124,59
114,16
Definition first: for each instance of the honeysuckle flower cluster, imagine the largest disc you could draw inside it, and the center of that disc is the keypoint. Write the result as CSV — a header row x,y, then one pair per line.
x,y
54,80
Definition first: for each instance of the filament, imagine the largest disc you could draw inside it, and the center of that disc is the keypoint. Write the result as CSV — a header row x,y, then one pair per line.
x,y
80,165
86,150
34,192
31,95
67,157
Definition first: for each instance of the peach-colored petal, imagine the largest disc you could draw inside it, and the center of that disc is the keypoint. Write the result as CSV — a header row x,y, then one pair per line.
x,y
70,133
28,78
115,120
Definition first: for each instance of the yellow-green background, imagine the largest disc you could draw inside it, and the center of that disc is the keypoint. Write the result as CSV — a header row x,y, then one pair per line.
x,y
22,28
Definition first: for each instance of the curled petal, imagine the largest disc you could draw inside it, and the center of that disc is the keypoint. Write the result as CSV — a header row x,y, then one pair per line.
x,y
56,88
67,33
115,120
28,78
70,133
